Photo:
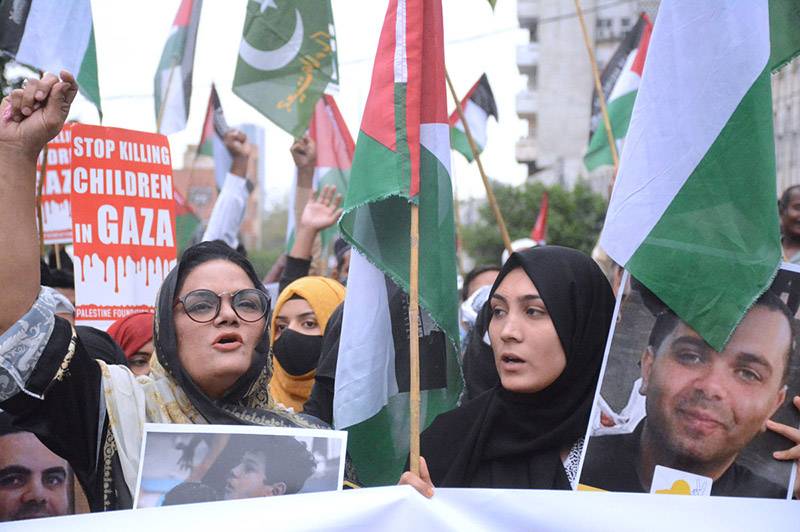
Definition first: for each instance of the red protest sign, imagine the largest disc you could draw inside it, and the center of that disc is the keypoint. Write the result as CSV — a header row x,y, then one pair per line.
x,y
123,216
56,217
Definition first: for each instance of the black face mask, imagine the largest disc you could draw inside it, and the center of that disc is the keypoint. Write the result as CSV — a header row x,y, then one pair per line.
x,y
297,353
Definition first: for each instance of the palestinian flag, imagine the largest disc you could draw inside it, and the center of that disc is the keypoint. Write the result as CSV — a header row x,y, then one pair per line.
x,y
214,128
287,58
186,221
53,36
620,81
335,149
402,157
539,231
693,214
478,105
173,80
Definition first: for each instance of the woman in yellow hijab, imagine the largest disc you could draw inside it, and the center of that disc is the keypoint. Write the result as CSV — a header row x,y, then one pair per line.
x,y
298,323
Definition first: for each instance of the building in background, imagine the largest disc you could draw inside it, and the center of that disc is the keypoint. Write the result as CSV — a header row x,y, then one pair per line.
x,y
786,115
557,100
196,182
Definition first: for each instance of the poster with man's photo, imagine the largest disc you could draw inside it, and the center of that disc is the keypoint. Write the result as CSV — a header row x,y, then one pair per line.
x,y
674,416
183,464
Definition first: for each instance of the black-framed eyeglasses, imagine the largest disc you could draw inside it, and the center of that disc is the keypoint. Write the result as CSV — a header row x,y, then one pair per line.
x,y
202,306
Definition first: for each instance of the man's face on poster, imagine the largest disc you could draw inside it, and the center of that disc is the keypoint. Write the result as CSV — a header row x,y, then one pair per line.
x,y
706,406
249,479
33,480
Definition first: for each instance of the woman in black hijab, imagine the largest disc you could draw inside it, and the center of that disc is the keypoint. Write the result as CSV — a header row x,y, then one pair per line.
x,y
551,309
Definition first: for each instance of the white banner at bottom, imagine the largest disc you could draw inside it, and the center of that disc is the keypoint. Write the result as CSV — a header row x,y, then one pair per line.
x,y
401,508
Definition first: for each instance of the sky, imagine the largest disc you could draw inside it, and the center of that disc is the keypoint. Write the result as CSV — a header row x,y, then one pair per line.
x,y
130,37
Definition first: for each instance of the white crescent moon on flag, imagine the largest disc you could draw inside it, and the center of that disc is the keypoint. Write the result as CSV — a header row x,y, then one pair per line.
x,y
274,59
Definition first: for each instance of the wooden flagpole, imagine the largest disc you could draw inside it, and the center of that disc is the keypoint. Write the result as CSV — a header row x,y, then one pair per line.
x,y
166,96
457,220
413,342
598,86
488,186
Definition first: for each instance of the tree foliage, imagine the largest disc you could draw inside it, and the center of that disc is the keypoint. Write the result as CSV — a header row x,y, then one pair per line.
x,y
574,220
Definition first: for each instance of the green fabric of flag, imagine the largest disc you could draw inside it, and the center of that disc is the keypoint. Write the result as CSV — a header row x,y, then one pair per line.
x,y
693,215
402,157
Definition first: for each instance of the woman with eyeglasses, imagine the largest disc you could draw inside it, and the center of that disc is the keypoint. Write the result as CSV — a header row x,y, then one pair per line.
x,y
211,336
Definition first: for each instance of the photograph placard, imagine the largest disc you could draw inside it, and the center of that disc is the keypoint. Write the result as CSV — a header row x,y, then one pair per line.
x,y
183,464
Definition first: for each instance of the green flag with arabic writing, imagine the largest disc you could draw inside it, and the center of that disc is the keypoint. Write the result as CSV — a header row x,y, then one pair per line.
x,y
287,58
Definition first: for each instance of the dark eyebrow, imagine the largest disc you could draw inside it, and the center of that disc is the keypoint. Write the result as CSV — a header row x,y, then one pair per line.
x,y
14,470
498,296
697,342
57,469
753,358
526,297
303,315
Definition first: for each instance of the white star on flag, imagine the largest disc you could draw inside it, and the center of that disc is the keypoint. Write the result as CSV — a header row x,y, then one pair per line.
x,y
266,4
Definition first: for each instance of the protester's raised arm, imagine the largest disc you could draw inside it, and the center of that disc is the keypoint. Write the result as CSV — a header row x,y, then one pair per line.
x,y
319,213
229,209
29,117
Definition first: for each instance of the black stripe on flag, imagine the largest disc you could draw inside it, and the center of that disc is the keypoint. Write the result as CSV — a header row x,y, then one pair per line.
x,y
432,345
614,68
481,95
13,17
220,124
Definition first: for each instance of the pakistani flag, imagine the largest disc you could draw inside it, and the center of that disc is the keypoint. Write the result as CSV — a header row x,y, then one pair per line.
x,y
402,157
478,105
173,81
620,81
287,58
335,149
53,36
214,128
693,215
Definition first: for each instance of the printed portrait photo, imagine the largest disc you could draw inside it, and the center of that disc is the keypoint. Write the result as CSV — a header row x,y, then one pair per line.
x,y
191,463
673,415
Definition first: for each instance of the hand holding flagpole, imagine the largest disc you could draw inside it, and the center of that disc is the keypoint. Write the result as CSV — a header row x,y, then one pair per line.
x,y
413,339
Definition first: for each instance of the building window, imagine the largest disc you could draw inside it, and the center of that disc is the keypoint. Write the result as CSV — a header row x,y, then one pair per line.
x,y
625,22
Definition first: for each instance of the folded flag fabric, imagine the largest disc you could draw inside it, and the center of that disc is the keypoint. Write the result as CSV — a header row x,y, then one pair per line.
x,y
53,36
693,214
402,157
173,79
